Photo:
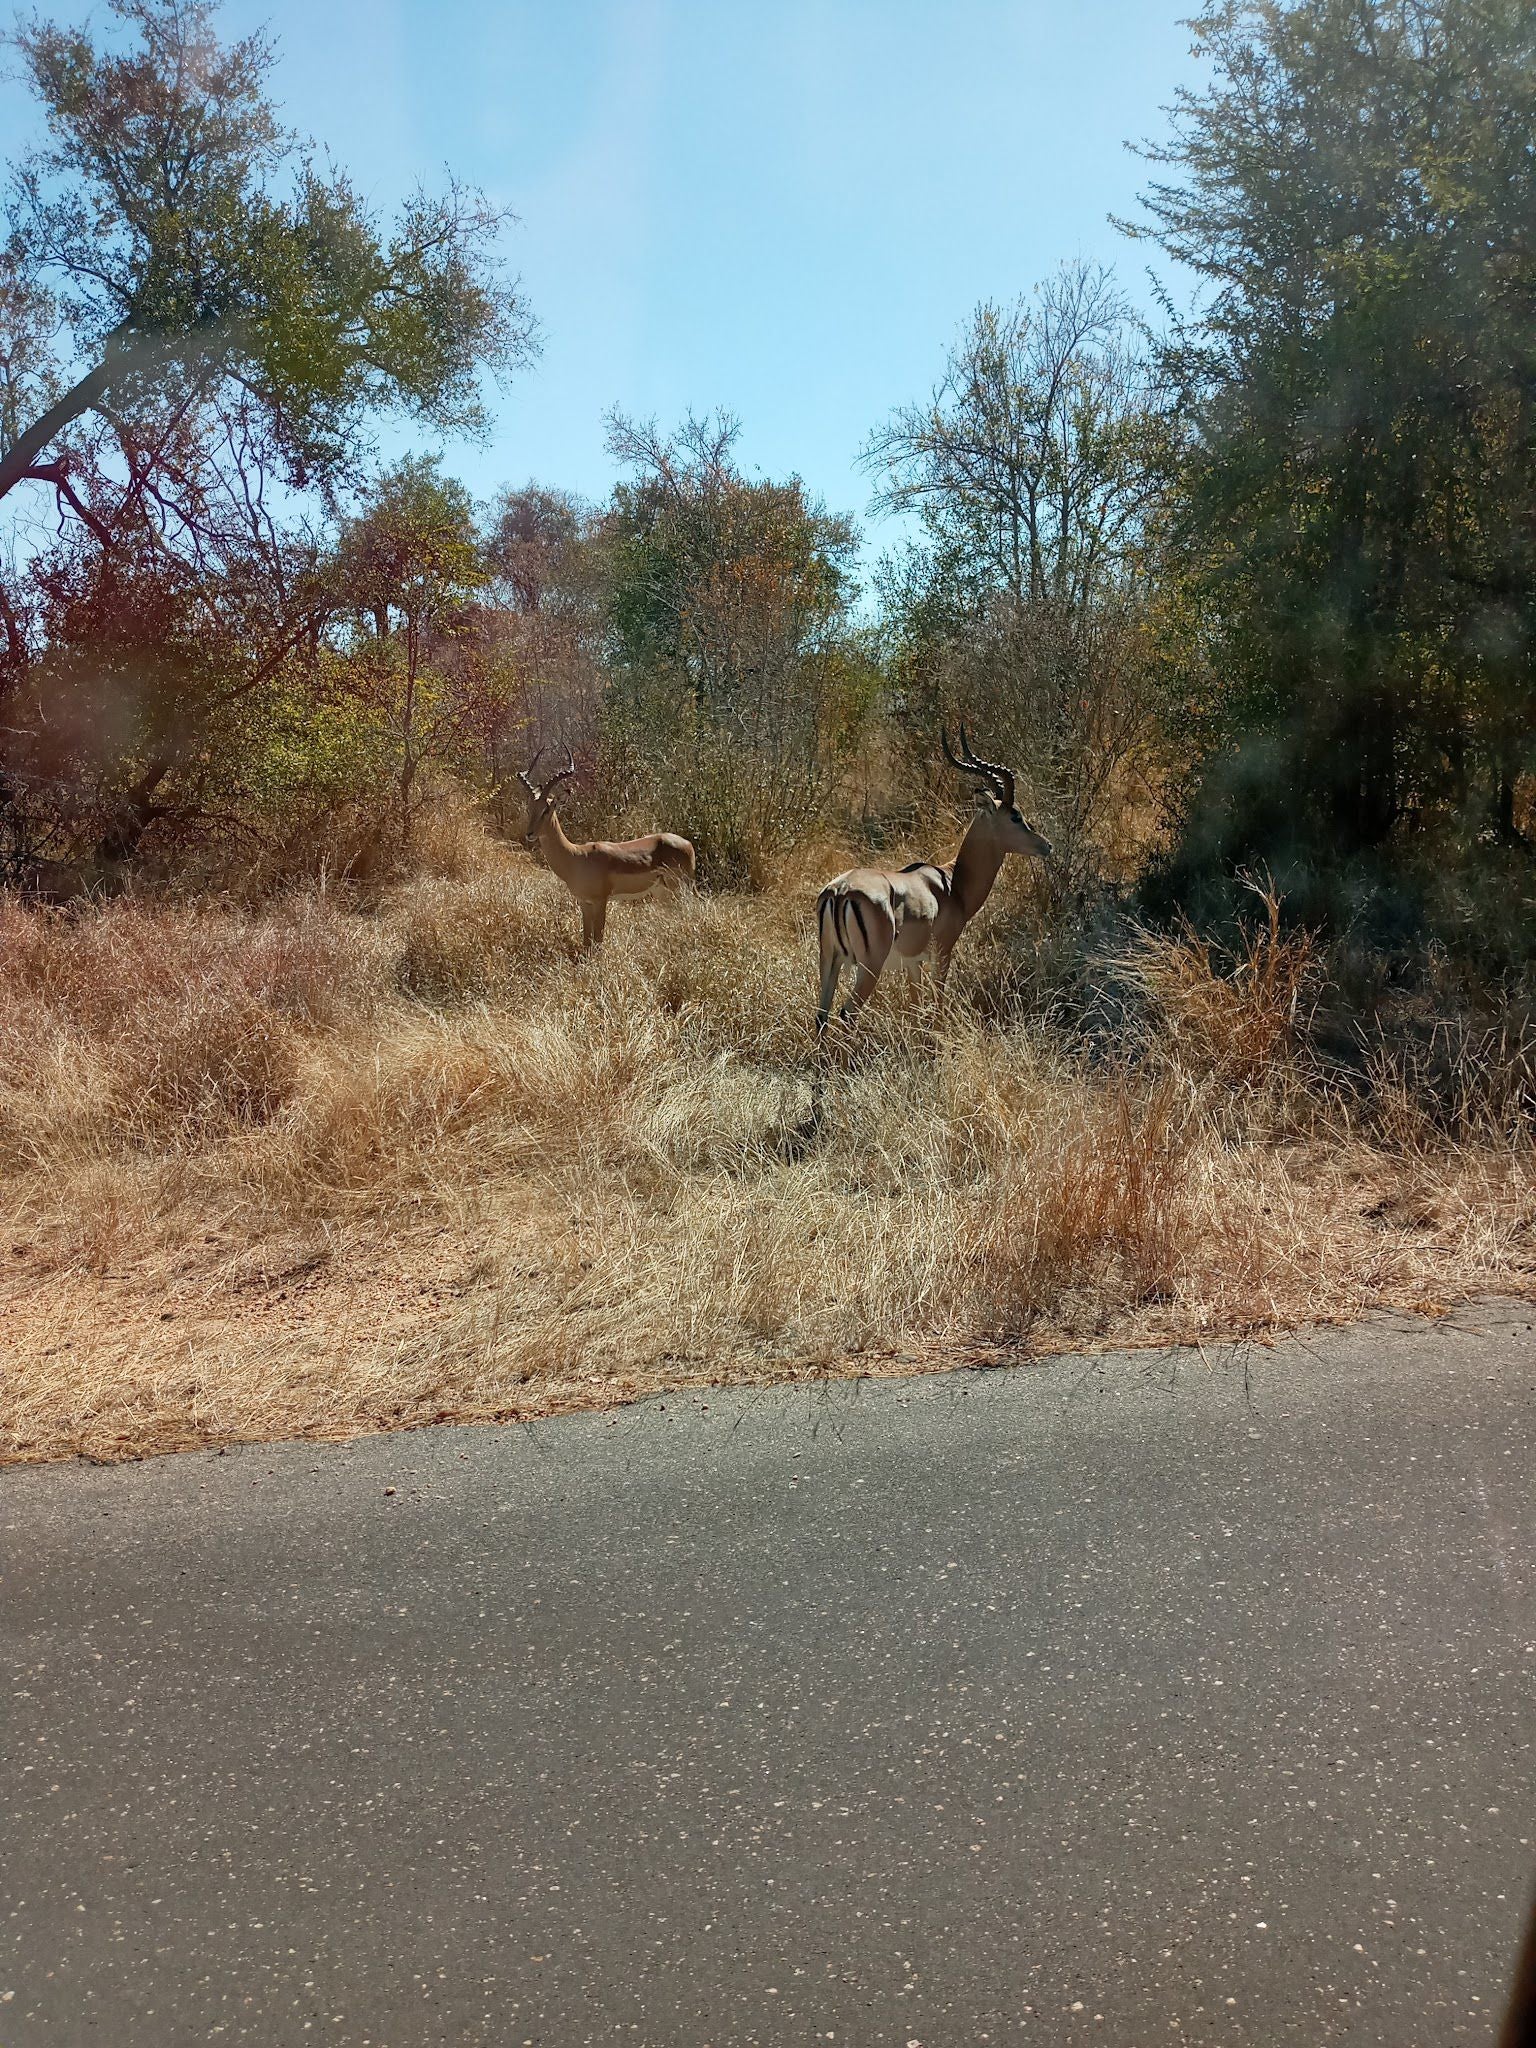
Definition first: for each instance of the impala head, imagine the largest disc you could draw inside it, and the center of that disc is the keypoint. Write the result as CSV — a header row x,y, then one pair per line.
x,y
541,795
1014,833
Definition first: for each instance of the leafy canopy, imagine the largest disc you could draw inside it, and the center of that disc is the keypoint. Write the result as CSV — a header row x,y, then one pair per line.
x,y
182,237
1355,189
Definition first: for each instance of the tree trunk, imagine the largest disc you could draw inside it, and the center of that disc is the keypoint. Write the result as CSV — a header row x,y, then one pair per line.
x,y
125,352
15,644
137,813
1377,797
408,737
1456,755
25,449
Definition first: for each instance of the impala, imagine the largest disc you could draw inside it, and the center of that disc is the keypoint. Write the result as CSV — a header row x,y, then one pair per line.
x,y
595,869
864,915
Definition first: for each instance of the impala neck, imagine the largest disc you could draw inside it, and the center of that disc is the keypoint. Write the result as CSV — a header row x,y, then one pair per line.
x,y
976,866
559,851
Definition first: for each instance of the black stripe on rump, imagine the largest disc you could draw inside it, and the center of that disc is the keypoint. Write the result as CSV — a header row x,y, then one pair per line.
x,y
850,909
858,918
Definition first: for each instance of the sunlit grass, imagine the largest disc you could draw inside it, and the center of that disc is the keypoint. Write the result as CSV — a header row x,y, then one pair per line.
x,y
305,1171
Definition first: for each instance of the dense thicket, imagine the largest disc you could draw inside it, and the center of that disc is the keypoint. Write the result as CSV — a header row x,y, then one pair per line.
x,y
199,323
1356,191
738,685
1259,590
1035,470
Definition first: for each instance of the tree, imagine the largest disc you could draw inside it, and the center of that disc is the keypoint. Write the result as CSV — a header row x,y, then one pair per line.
x,y
197,324
149,680
530,551
1029,463
1354,191
739,683
155,225
406,571
543,623
1034,470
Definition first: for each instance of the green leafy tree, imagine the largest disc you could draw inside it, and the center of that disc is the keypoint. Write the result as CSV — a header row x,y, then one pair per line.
x,y
406,572
1354,190
185,241
198,325
739,684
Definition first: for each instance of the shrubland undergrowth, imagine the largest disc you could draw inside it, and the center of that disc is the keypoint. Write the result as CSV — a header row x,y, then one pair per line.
x,y
305,1169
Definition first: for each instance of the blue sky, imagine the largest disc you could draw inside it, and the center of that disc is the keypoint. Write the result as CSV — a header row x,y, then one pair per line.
x,y
785,207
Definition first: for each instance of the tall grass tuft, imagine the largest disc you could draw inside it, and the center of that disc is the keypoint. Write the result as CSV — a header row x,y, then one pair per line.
x,y
1236,1015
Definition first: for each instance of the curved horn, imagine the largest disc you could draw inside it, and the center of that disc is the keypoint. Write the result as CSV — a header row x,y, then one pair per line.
x,y
999,779
564,776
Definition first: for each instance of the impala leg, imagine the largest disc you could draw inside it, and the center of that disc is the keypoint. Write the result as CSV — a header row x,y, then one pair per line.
x,y
596,919
864,981
877,933
830,971
912,976
940,977
830,960
589,927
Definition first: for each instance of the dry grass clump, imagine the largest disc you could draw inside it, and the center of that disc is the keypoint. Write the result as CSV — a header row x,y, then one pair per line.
x,y
301,957
488,936
141,1026
306,1171
1236,1015
353,845
1474,1085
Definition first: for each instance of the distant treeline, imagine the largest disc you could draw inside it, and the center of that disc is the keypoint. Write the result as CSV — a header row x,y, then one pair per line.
x,y
1255,590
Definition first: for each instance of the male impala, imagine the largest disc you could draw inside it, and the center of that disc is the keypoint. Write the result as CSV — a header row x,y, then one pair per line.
x,y
595,869
864,914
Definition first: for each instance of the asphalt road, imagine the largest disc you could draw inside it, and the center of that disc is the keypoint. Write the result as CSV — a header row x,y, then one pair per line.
x,y
1130,1699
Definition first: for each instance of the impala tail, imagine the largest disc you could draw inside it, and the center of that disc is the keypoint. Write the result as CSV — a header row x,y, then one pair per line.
x,y
830,908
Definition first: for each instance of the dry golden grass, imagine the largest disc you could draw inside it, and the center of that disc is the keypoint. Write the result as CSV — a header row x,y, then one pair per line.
x,y
304,1172
1237,1018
